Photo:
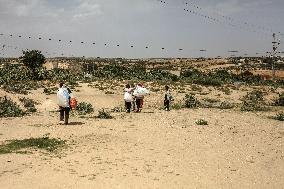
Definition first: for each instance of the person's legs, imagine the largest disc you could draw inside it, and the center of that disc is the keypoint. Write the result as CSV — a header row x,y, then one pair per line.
x,y
167,105
141,104
134,105
138,105
125,105
128,107
61,112
67,110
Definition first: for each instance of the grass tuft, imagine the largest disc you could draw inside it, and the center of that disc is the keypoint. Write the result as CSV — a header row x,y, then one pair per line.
x,y
279,116
104,115
44,143
201,122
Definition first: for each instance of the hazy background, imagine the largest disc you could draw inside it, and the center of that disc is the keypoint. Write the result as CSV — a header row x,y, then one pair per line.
x,y
140,23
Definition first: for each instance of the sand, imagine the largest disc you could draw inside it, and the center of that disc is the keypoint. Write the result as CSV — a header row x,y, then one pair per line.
x,y
152,149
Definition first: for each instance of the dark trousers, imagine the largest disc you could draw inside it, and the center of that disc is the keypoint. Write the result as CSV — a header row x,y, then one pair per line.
x,y
167,105
64,114
128,106
139,104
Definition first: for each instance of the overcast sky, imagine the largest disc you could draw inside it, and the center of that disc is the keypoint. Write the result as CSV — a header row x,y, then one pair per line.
x,y
243,25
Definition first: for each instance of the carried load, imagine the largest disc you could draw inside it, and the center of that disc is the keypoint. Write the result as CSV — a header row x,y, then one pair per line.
x,y
63,98
140,92
128,97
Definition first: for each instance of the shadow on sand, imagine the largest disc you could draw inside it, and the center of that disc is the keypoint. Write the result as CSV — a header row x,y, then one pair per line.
x,y
76,123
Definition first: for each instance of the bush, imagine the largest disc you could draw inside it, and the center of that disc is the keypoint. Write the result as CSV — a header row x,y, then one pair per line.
x,y
201,122
104,115
29,104
8,108
192,73
32,59
191,101
177,106
118,109
254,101
279,116
16,87
84,108
280,100
21,87
49,91
17,79
226,105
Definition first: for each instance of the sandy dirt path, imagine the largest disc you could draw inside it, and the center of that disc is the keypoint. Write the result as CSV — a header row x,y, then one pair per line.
x,y
150,150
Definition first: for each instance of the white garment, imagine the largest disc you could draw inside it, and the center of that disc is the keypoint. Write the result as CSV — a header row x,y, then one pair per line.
x,y
63,97
168,96
128,95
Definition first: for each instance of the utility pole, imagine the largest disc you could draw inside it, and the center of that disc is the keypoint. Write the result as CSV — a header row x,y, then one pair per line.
x,y
275,45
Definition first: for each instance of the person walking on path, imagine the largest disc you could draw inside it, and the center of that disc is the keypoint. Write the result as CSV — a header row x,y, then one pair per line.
x,y
168,98
128,98
140,92
63,99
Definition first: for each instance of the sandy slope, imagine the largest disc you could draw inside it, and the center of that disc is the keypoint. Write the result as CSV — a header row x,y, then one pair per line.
x,y
153,149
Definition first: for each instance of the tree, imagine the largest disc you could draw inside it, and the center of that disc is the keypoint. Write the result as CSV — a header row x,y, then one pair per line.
x,y
33,59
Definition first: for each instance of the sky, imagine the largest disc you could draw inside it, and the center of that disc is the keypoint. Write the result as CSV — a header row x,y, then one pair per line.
x,y
168,28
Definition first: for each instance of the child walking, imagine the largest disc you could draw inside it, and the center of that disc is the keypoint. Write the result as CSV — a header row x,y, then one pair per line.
x,y
168,98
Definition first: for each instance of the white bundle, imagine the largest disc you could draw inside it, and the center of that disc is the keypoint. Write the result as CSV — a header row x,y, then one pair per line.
x,y
128,97
63,98
140,92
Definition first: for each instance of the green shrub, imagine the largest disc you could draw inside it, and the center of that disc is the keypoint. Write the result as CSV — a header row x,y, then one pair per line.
x,y
279,116
16,87
14,73
254,101
8,108
280,100
16,78
209,81
211,100
49,91
201,122
29,104
40,143
226,105
118,109
84,108
191,73
191,101
196,88
177,106
226,90
104,115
